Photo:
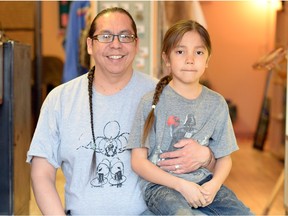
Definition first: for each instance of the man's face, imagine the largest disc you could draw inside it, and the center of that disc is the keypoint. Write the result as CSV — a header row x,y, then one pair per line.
x,y
115,57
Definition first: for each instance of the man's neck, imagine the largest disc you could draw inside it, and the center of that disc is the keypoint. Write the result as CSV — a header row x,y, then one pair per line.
x,y
109,84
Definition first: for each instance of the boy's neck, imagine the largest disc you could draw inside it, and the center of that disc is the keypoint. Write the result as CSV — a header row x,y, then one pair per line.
x,y
187,91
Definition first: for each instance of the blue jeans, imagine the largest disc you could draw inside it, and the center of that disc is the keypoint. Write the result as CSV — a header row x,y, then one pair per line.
x,y
162,200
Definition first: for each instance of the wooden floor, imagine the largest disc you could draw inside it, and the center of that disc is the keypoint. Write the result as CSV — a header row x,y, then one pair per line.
x,y
253,176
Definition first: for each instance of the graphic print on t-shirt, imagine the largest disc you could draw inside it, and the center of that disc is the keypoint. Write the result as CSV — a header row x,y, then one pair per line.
x,y
178,131
186,130
110,170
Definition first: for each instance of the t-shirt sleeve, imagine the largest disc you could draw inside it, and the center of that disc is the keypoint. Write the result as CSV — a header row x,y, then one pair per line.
x,y
223,141
46,140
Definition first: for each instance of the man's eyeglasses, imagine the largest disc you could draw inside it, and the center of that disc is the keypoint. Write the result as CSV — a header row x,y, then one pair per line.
x,y
108,38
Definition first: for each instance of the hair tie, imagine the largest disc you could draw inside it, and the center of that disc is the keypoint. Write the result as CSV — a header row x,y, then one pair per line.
x,y
153,106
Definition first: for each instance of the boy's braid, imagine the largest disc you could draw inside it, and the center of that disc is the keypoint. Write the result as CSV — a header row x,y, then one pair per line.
x,y
159,88
151,117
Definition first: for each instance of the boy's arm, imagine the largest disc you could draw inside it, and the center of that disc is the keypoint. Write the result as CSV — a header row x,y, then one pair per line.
x,y
221,171
192,192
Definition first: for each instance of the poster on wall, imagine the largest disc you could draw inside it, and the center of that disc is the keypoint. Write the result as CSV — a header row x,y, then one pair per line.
x,y
64,7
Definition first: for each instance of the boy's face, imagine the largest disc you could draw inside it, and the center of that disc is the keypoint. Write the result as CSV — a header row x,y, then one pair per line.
x,y
189,59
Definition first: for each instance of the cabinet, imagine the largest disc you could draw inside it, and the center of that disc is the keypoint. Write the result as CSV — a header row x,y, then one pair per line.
x,y
15,128
286,155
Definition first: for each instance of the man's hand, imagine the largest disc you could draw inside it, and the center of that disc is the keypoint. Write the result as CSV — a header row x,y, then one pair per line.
x,y
189,156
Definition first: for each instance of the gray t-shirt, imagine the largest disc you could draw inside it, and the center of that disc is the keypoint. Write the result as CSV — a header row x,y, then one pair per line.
x,y
205,119
63,136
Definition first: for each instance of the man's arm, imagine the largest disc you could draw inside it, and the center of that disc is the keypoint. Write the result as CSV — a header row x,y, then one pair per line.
x,y
43,176
211,162
190,156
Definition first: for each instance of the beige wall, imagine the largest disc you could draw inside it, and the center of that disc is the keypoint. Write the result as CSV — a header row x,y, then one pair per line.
x,y
52,37
241,33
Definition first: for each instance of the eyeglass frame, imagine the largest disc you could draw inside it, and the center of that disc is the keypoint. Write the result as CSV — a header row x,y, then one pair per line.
x,y
134,37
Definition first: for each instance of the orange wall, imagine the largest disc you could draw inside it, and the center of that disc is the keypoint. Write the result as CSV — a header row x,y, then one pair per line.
x,y
241,33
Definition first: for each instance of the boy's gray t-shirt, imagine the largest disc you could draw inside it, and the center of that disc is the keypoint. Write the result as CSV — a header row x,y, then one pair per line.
x,y
63,136
205,119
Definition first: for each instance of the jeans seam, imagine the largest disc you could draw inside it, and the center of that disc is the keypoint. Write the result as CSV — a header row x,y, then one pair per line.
x,y
215,212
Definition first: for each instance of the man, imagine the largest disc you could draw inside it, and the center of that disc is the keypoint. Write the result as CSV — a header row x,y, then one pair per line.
x,y
86,132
